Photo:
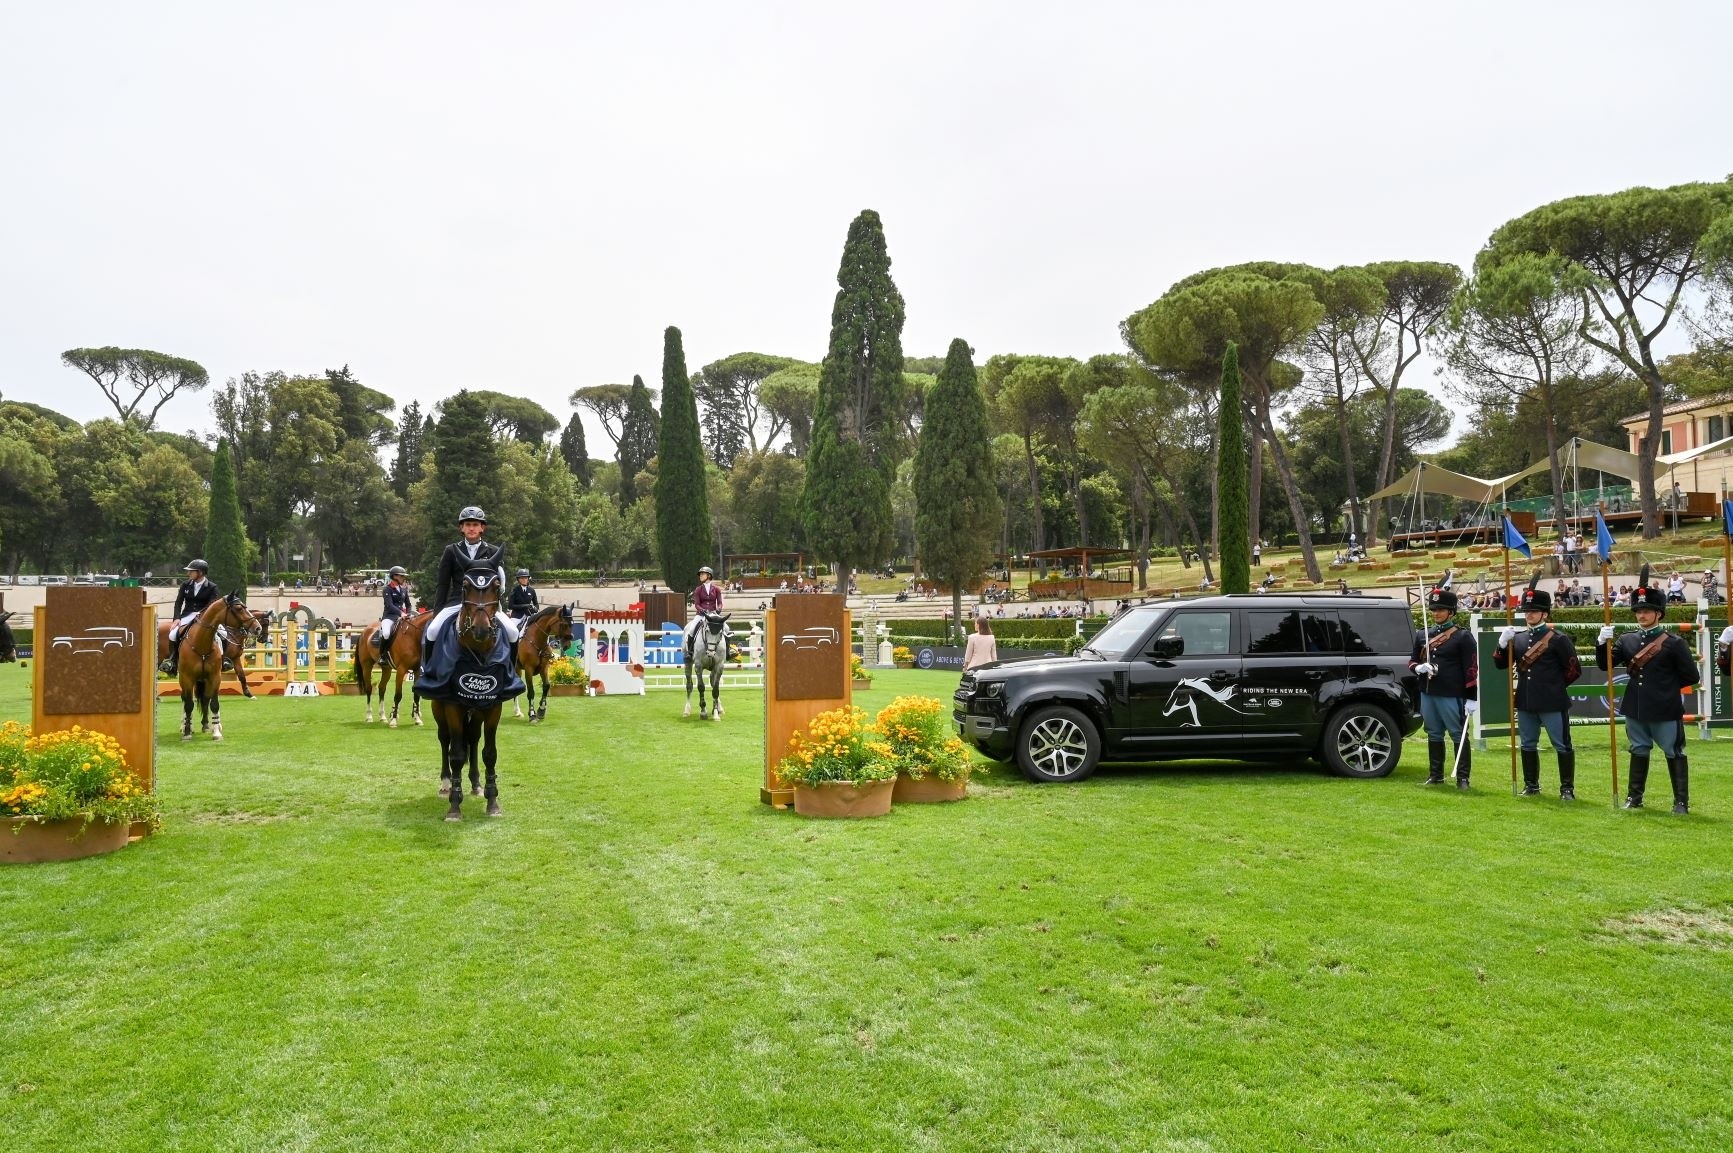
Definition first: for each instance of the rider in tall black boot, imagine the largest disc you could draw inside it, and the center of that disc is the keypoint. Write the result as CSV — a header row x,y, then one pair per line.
x,y
706,598
1661,664
1544,662
1447,665
195,595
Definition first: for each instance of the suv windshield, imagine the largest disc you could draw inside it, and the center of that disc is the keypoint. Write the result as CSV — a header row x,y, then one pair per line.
x,y
1120,633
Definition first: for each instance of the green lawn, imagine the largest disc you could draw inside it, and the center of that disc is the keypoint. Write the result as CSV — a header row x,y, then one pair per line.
x,y
640,955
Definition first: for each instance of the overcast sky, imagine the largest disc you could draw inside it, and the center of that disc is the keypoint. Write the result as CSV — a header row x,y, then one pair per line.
x,y
521,196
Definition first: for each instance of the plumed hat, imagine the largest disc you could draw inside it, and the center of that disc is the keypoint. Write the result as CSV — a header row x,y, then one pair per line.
x,y
1644,597
1442,595
1536,600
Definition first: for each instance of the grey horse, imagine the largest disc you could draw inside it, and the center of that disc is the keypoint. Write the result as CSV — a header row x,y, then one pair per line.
x,y
708,655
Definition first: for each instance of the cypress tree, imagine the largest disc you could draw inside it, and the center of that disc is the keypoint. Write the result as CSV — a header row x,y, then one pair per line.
x,y
572,448
846,505
225,535
1236,546
682,494
465,471
411,444
640,429
956,499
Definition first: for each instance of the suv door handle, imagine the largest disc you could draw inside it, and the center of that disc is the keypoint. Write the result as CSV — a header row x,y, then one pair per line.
x,y
1315,674
1220,675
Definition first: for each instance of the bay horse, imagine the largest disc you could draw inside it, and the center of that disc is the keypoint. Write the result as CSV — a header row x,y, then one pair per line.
x,y
201,662
234,644
405,657
462,729
709,656
546,633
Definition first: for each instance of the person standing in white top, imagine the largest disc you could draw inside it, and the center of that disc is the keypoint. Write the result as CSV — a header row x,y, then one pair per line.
x,y
982,649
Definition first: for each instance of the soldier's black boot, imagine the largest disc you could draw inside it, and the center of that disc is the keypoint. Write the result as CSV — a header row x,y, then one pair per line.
x,y
1463,757
1567,775
1531,772
1679,771
1434,763
1639,780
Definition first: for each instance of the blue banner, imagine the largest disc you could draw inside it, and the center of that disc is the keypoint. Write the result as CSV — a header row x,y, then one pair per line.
x,y
1515,540
1604,539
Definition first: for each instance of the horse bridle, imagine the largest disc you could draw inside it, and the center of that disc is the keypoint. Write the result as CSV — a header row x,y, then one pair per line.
x,y
488,631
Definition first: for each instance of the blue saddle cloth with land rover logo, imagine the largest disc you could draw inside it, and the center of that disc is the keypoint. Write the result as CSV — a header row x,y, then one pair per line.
x,y
450,672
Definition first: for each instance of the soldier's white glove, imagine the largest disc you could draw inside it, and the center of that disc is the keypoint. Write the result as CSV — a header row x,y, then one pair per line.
x,y
1469,708
1727,635
1424,669
1605,635
1505,635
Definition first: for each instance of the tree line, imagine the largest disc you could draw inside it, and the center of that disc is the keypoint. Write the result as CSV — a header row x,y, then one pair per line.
x,y
868,456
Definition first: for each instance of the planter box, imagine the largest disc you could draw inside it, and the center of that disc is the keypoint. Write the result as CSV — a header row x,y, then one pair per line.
x,y
348,689
928,791
844,799
862,683
27,840
566,690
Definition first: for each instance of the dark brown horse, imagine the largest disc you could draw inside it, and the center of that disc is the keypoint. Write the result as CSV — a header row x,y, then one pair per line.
x,y
201,662
463,729
405,656
546,633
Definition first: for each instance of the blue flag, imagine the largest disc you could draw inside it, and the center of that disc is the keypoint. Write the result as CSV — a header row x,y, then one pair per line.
x,y
1514,539
1603,538
1727,516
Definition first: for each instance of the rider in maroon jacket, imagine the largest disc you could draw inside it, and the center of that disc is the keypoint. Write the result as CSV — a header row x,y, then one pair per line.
x,y
706,598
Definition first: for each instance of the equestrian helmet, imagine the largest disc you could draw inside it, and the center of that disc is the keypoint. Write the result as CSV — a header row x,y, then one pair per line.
x,y
198,566
398,570
471,512
704,568
523,572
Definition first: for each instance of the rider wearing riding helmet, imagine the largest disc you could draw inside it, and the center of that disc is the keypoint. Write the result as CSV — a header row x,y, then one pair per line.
x,y
706,598
195,596
456,561
396,606
523,600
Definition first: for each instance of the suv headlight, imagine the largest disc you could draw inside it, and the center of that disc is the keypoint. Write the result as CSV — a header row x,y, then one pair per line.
x,y
992,690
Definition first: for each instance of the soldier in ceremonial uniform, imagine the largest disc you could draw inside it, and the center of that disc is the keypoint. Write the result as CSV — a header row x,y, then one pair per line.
x,y
195,596
396,608
1546,665
1660,664
1448,666
523,600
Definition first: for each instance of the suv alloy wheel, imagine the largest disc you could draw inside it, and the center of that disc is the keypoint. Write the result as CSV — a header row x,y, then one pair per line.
x,y
1058,744
1361,741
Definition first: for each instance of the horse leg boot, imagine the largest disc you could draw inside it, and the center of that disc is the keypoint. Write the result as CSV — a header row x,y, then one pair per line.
x,y
186,715
1531,772
1434,763
1679,772
1639,780
490,756
1567,775
216,703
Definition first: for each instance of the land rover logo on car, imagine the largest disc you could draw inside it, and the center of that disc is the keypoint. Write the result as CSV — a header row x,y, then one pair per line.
x,y
478,684
1308,677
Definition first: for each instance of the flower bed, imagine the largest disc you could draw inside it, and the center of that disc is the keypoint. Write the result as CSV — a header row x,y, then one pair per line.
x,y
69,779
909,741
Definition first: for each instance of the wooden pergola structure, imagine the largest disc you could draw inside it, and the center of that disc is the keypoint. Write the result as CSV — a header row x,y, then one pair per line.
x,y
1111,583
768,571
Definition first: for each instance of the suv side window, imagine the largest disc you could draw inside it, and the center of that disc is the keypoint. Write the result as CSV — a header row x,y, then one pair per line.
x,y
1205,634
1371,631
1271,633
1323,632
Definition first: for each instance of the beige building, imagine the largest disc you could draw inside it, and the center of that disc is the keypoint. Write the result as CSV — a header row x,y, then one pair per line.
x,y
1698,436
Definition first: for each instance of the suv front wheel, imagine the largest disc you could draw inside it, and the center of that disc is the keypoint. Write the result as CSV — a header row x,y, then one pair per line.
x,y
1058,744
1361,741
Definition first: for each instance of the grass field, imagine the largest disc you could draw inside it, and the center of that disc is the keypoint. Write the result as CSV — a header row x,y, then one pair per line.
x,y
640,955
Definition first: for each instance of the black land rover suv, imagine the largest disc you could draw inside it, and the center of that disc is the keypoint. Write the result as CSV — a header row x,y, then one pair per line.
x,y
1254,678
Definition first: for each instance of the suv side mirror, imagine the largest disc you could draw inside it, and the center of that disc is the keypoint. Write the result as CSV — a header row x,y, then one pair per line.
x,y
1166,648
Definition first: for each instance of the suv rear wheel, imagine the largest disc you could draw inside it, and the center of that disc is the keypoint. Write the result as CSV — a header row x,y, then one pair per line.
x,y
1058,744
1361,741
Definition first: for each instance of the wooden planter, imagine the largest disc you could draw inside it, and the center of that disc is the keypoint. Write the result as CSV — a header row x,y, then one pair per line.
x,y
565,690
844,799
348,689
27,840
928,790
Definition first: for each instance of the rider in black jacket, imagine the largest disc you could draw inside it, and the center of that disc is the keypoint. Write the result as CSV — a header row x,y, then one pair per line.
x,y
523,600
195,596
460,556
